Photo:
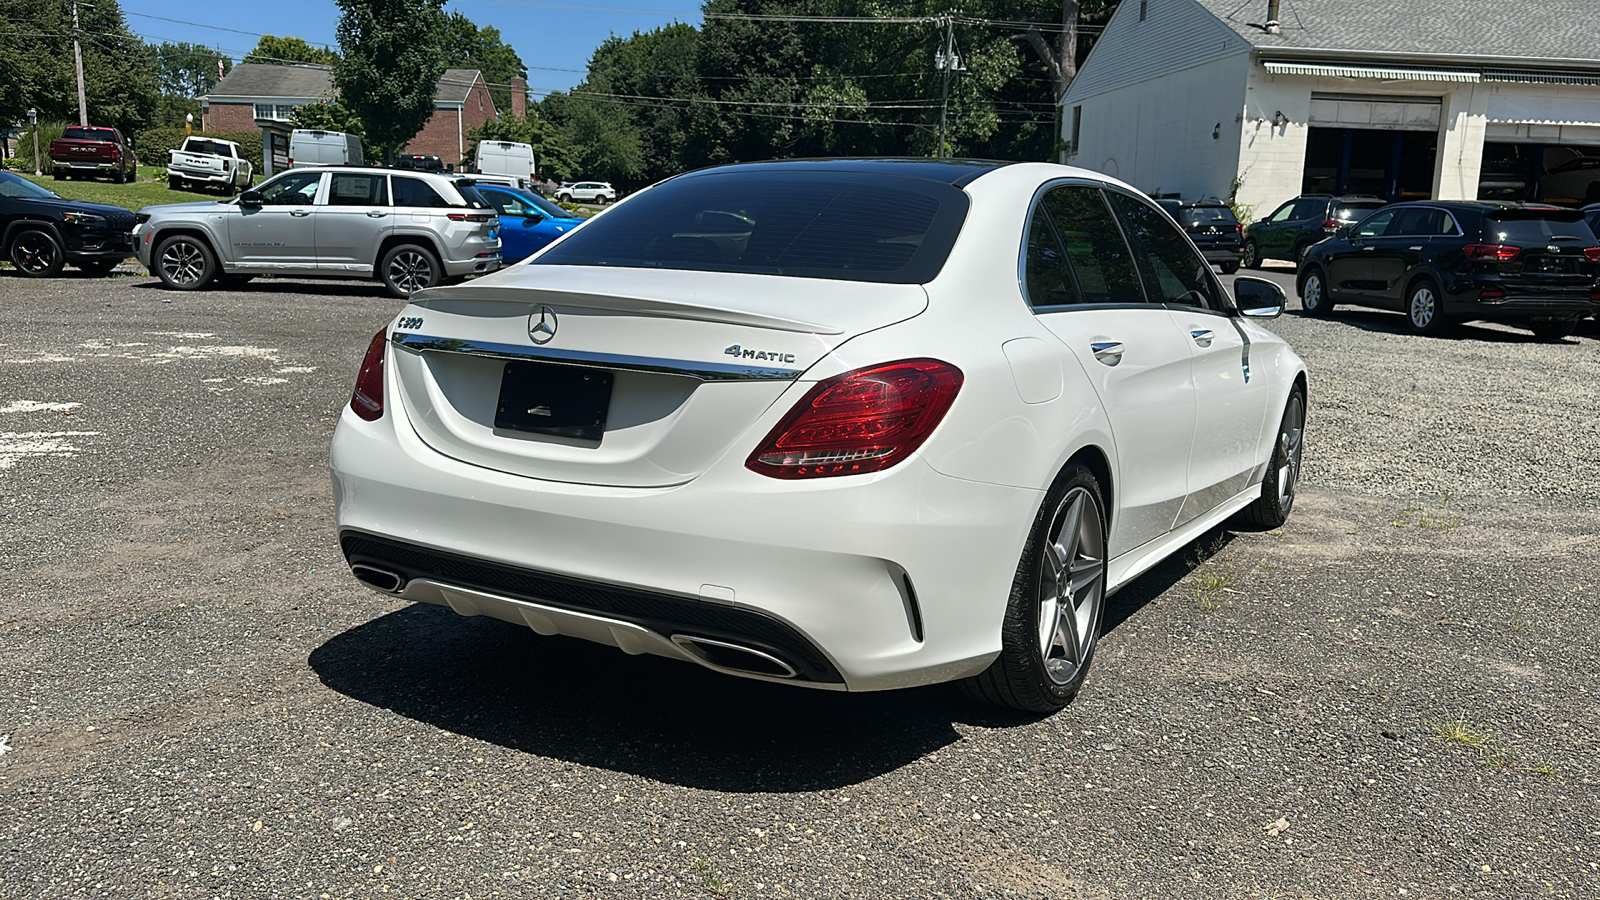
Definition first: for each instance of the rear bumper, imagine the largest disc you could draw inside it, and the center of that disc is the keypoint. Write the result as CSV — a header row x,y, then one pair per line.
x,y
86,165
473,266
1525,306
888,580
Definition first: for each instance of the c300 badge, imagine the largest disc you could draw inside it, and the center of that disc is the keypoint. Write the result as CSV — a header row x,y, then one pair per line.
x,y
542,324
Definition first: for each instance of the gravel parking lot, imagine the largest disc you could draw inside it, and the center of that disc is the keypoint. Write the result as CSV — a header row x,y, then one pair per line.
x,y
1396,694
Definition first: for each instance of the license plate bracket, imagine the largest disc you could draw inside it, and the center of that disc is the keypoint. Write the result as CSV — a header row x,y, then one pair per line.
x,y
564,401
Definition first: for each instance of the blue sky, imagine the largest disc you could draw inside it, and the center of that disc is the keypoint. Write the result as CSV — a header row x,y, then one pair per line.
x,y
554,39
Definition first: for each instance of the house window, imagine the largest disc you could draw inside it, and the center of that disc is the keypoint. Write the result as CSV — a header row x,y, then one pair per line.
x,y
1077,129
1144,9
279,112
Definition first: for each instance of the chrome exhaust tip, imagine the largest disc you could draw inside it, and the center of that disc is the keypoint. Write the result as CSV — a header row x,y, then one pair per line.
x,y
378,579
732,658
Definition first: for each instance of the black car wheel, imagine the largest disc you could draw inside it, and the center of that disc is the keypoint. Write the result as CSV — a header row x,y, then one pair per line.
x,y
1300,253
1425,308
98,267
36,253
1053,619
1271,509
409,268
185,263
1314,297
174,183
1251,258
1228,268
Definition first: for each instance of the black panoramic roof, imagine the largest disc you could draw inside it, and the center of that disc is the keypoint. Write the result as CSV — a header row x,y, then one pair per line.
x,y
957,172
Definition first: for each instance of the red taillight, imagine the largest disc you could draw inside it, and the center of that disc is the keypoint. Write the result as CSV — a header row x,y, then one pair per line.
x,y
1491,252
472,217
1331,224
1592,254
291,162
1491,295
1238,229
224,165
367,400
858,422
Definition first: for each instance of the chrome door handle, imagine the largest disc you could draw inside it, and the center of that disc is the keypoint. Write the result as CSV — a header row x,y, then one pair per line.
x,y
1413,248
1202,337
1108,352
1368,249
299,212
376,214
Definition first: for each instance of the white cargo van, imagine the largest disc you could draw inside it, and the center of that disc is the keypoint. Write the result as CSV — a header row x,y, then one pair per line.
x,y
508,158
311,147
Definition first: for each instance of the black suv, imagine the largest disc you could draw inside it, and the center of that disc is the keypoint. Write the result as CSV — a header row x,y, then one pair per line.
x,y
1301,222
1210,223
1441,262
40,232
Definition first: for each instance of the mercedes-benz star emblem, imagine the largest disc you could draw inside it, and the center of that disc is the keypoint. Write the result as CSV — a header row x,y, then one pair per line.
x,y
542,324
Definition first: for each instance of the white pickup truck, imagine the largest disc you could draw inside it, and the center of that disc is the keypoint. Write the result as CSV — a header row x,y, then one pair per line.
x,y
209,161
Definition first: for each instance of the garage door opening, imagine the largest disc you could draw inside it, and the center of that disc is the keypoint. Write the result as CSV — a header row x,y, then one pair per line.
x,y
1551,173
1394,165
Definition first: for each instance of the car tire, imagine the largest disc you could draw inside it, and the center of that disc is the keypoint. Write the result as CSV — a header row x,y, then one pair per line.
x,y
184,263
1228,268
1271,509
408,268
1554,331
174,183
563,198
36,253
1424,308
1314,297
98,268
1250,258
1300,254
1057,604
56,174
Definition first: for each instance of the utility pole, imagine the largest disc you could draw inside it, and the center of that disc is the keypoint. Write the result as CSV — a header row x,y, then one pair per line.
x,y
77,56
949,62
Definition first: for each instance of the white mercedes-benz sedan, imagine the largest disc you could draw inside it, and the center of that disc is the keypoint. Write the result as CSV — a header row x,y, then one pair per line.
x,y
847,424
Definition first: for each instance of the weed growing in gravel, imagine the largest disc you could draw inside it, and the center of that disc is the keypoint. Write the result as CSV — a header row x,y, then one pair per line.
x,y
1441,519
715,883
1210,580
1519,618
1457,731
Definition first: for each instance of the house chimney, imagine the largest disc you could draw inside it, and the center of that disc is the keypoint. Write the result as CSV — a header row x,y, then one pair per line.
x,y
1272,16
519,96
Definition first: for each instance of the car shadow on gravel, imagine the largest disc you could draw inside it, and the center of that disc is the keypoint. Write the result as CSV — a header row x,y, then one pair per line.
x,y
1394,323
656,718
262,285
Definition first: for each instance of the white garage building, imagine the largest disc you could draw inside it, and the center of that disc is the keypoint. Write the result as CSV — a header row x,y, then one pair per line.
x,y
1404,99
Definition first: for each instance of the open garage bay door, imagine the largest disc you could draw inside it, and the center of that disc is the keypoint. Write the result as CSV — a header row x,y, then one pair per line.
x,y
1385,146
1541,148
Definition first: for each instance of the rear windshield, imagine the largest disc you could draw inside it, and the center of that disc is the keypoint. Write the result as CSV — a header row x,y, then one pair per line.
x,y
1521,226
1201,216
208,147
79,133
804,223
1350,212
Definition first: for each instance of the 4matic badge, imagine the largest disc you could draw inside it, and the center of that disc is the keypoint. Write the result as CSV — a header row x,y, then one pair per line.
x,y
769,355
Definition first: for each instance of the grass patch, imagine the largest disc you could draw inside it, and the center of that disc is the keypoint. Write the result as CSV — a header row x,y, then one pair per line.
x,y
1489,750
711,877
1457,731
128,196
1210,579
1430,518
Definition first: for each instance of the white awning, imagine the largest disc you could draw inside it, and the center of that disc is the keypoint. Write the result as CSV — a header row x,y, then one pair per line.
x,y
1283,68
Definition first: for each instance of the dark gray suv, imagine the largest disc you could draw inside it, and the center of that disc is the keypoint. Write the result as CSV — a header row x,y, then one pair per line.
x,y
1291,228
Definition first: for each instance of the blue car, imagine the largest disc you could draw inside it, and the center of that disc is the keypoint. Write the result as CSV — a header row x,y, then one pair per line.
x,y
527,220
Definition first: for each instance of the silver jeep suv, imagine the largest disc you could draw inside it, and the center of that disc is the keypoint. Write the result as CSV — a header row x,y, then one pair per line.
x,y
410,230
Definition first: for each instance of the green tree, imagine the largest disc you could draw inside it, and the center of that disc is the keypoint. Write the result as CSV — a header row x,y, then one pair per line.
x,y
188,70
281,51
36,64
467,46
328,116
389,66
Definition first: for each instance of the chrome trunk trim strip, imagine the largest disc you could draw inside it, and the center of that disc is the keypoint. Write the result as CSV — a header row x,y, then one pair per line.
x,y
704,371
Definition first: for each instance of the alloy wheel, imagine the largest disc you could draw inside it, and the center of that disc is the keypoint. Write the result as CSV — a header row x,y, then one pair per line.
x,y
34,252
1423,307
410,271
1072,584
182,263
1311,294
1291,443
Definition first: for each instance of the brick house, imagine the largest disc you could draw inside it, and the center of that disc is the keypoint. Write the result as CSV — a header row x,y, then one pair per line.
x,y
257,95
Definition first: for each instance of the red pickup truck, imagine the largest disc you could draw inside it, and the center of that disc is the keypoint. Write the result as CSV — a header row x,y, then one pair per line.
x,y
93,151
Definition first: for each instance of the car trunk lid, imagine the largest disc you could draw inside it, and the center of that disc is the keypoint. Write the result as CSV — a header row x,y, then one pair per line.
x,y
615,376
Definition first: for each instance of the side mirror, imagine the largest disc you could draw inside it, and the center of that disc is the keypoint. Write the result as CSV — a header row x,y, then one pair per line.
x,y
251,199
1258,298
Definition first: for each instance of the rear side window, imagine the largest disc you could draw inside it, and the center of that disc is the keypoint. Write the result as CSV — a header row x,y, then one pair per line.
x,y
1536,227
416,192
1309,208
1171,268
1048,275
805,223
347,189
1100,257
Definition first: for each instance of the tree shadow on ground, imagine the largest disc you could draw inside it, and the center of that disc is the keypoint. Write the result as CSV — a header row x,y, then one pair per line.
x,y
656,718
